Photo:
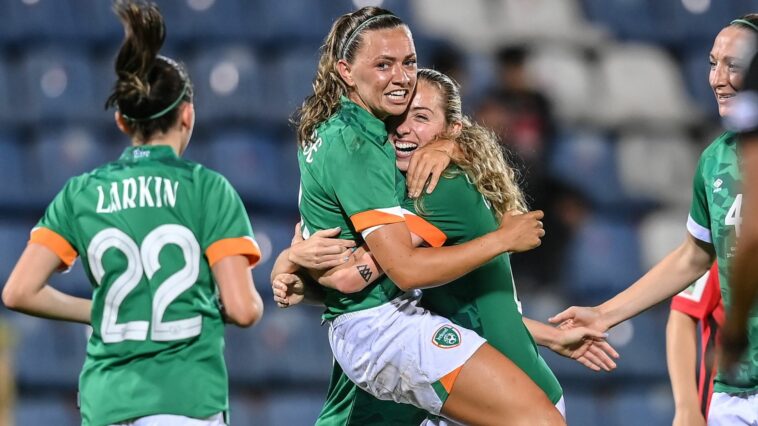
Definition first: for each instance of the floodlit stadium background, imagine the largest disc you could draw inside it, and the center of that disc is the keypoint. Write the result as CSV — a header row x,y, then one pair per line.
x,y
608,112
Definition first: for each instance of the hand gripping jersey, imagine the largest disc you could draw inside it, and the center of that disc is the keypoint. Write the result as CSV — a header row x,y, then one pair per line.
x,y
715,218
702,301
484,300
148,228
348,179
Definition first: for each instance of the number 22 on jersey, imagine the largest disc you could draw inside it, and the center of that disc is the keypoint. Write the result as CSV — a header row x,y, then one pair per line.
x,y
145,260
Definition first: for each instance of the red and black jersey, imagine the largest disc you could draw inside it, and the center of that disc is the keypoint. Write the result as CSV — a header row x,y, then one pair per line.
x,y
702,301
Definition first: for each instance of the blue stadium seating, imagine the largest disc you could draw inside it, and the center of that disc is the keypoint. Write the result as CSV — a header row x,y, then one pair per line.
x,y
14,236
58,19
644,20
291,76
200,20
582,407
602,259
651,406
271,352
59,85
586,161
7,79
250,162
229,84
273,236
13,170
695,70
48,353
57,410
63,153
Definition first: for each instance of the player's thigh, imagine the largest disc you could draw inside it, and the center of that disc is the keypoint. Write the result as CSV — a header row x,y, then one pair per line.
x,y
491,388
174,420
730,410
441,421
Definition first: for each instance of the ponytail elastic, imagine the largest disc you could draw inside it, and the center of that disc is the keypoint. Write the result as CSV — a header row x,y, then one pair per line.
x,y
745,22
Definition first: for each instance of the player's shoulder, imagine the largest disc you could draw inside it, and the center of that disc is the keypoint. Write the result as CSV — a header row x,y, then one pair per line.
x,y
723,142
454,188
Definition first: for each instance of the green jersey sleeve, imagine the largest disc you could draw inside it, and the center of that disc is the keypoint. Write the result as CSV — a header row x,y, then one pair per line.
x,y
698,222
54,230
363,179
226,227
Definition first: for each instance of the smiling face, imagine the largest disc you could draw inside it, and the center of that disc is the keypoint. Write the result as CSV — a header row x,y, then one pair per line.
x,y
422,123
383,74
729,57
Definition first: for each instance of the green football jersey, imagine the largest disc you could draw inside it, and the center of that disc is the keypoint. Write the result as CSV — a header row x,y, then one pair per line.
x,y
148,228
348,179
485,299
715,217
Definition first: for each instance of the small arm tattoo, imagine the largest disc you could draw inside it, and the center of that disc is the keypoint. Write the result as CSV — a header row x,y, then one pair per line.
x,y
365,272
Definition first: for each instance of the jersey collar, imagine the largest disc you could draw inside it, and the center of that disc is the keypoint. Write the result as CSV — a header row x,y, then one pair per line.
x,y
147,152
363,121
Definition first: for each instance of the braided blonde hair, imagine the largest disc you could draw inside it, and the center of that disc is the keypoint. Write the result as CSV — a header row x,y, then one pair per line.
x,y
483,159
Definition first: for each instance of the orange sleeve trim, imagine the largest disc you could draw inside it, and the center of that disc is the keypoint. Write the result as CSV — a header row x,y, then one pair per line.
x,y
448,380
56,243
430,233
365,220
244,246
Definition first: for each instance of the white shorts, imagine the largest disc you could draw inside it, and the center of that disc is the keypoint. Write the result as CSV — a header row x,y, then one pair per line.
x,y
441,421
401,352
733,410
174,420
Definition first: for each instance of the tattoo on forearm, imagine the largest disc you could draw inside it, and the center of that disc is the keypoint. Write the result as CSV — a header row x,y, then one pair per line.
x,y
365,272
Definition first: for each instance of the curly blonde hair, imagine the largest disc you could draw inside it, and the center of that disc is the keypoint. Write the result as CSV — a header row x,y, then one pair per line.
x,y
342,42
483,159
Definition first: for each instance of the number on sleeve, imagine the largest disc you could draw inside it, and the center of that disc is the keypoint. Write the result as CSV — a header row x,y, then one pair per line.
x,y
734,215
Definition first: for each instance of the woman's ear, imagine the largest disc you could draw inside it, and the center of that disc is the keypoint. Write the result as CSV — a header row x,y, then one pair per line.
x,y
121,123
345,71
455,128
187,115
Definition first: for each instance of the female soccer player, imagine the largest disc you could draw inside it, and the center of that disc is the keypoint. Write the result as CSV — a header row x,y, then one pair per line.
x,y
465,205
713,227
154,250
367,73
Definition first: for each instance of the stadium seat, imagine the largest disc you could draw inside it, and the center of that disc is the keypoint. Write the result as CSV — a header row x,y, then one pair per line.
x,y
250,161
14,235
48,353
641,85
582,407
603,258
74,281
649,405
586,162
643,20
532,21
467,27
200,20
293,408
59,85
229,84
565,76
669,162
273,234
290,77
272,351
7,79
641,342
59,410
300,21
62,153
46,20
660,233
695,22
13,171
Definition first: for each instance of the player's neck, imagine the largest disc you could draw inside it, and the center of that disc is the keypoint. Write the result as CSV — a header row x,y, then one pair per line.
x,y
171,139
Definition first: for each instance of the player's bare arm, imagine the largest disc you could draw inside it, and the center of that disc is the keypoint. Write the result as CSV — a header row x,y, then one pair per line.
x,y
27,290
674,273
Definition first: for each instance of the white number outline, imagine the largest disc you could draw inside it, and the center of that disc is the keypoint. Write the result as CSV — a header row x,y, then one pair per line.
x,y
145,260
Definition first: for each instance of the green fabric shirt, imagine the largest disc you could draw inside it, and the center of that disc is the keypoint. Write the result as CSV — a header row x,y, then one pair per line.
x,y
715,217
148,227
485,299
348,179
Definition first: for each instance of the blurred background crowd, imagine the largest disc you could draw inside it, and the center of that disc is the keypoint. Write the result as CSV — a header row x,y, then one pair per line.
x,y
604,106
